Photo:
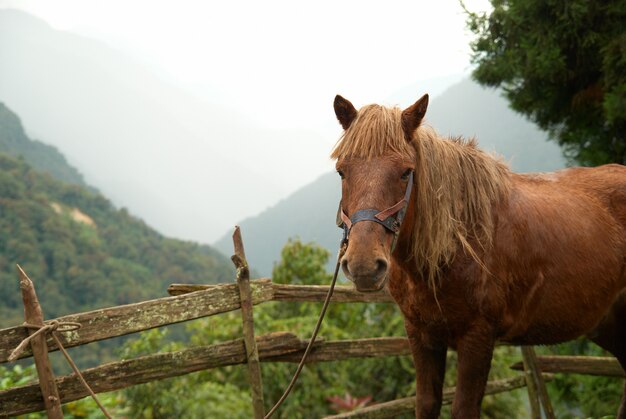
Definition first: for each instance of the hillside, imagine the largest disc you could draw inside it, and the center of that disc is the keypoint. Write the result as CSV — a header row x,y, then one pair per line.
x,y
308,213
156,149
81,251
468,109
463,109
42,157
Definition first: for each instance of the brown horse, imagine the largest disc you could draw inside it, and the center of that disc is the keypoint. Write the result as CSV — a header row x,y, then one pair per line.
x,y
483,254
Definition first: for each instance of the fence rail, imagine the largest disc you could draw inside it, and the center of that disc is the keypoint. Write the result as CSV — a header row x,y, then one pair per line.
x,y
407,404
190,302
605,366
274,347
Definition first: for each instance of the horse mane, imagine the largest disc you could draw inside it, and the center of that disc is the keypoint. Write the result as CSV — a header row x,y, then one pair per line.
x,y
456,185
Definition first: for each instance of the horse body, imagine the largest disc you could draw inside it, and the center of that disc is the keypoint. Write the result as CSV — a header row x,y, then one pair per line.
x,y
557,259
483,254
559,251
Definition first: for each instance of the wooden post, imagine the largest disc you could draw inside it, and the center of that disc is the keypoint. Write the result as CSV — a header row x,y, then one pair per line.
x,y
530,359
33,315
533,397
245,295
603,366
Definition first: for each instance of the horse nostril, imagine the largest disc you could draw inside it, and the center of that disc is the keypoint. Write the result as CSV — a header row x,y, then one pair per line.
x,y
381,268
344,267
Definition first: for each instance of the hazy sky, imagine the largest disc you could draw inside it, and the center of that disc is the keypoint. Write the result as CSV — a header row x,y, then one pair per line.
x,y
276,63
280,61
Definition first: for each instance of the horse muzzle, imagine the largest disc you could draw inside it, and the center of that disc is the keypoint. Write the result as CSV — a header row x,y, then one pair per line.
x,y
369,271
367,275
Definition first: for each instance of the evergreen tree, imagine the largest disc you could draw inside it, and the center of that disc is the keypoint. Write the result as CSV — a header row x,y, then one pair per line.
x,y
562,63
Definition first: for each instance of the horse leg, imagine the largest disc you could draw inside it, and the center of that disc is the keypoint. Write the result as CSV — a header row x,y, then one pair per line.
x,y
430,369
475,350
610,334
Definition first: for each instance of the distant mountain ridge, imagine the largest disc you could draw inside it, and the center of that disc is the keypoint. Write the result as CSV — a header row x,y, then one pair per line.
x,y
309,213
146,144
470,110
42,157
80,250
463,109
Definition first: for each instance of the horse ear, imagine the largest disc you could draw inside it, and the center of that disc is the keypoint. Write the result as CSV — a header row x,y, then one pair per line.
x,y
345,111
413,115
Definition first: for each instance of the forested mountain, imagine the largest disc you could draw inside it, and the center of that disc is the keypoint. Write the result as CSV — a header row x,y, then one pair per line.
x,y
160,151
42,157
81,252
464,109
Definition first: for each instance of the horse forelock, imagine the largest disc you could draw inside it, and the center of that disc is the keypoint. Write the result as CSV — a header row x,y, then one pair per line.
x,y
376,131
456,185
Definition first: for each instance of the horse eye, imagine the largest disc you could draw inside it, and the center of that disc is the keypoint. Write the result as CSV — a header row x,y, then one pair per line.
x,y
340,174
406,174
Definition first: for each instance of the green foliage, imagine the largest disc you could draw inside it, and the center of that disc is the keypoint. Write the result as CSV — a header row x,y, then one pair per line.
x,y
16,376
562,63
197,395
301,264
306,264
84,254
81,252
88,409
575,396
383,379
84,408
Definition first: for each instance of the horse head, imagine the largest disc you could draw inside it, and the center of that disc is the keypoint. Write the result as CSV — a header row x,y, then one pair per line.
x,y
376,162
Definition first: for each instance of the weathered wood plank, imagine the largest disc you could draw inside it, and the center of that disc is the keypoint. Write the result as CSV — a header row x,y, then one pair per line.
x,y
34,315
349,349
122,320
588,365
245,296
407,405
341,294
530,360
118,375
197,301
531,388
303,293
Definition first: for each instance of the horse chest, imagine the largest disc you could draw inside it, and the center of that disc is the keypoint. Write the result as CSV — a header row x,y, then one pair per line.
x,y
440,315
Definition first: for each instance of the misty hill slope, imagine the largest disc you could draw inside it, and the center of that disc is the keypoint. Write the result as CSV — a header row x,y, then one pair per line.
x,y
309,213
464,109
42,157
82,252
147,145
471,110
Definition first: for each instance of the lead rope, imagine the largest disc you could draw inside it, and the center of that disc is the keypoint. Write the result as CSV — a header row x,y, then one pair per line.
x,y
342,250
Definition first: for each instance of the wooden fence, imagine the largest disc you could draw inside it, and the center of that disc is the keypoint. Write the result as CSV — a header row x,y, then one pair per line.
x,y
190,302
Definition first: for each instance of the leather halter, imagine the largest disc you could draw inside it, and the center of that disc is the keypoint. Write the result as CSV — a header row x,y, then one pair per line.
x,y
390,218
